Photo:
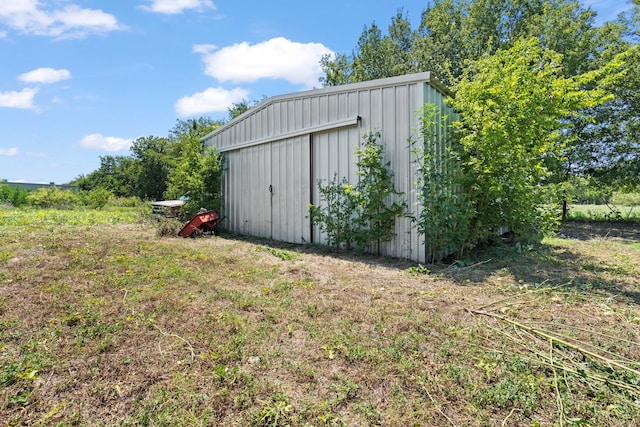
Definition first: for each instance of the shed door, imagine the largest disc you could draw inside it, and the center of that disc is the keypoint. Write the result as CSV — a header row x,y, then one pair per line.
x,y
268,190
251,192
290,185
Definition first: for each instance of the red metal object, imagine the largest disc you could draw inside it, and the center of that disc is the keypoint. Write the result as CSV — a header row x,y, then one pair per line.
x,y
200,223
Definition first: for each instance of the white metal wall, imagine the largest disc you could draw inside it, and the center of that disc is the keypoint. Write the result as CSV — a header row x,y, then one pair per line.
x,y
276,153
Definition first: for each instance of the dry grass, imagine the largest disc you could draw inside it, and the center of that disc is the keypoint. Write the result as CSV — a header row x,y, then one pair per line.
x,y
111,325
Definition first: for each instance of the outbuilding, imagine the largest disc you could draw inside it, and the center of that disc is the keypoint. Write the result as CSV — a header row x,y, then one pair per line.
x,y
276,153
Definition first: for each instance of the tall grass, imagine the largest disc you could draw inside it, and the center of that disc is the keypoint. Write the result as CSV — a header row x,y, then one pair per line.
x,y
610,212
39,217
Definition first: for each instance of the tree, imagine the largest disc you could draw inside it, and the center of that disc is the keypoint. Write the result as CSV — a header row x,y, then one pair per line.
x,y
238,108
378,204
444,208
607,138
512,106
198,169
152,163
452,32
115,174
375,56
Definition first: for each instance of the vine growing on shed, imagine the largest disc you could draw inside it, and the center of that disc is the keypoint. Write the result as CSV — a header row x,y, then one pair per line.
x,y
444,210
336,216
378,202
363,214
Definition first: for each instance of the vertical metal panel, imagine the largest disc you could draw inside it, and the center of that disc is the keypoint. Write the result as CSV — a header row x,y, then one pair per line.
x,y
333,157
248,201
291,190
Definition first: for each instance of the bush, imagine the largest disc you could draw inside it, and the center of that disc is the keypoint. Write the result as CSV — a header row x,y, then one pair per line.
x,y
126,202
54,198
625,199
587,191
364,213
15,196
96,198
167,227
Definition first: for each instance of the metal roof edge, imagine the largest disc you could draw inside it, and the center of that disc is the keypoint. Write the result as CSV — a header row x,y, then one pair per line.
x,y
424,76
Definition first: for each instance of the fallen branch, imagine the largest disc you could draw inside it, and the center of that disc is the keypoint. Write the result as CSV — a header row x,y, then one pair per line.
x,y
563,342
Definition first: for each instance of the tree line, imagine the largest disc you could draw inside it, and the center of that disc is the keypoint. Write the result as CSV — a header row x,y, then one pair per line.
x,y
168,167
454,37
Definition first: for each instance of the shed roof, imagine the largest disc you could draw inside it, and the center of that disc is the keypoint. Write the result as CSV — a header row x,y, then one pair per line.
x,y
381,83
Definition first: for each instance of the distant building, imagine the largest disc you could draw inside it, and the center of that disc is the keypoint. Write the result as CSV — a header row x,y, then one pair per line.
x,y
276,152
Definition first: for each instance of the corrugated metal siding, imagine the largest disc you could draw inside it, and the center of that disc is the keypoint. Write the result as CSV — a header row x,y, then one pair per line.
x,y
248,177
267,190
292,165
392,112
291,181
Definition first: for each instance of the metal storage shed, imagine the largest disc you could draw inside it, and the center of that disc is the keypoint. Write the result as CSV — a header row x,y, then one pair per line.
x,y
276,152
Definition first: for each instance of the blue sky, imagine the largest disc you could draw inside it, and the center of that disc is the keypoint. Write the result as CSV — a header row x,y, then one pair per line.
x,y
81,79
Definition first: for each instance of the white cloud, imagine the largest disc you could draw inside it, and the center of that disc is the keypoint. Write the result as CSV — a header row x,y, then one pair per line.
x,y
45,75
211,100
204,48
3,34
32,17
278,58
8,151
106,143
22,99
173,7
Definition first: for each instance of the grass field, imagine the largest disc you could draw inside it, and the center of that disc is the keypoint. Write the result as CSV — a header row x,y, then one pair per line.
x,y
107,324
604,213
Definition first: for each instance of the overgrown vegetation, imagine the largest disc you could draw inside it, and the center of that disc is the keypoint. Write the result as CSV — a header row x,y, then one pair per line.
x,y
55,198
108,324
176,166
445,211
507,154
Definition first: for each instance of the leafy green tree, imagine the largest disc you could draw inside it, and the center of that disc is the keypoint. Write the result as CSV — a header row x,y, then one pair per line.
x,y
452,32
115,174
198,169
512,106
375,56
152,163
607,138
238,108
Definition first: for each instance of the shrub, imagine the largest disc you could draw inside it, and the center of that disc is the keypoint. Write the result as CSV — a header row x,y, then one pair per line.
x,y
167,227
445,212
53,197
14,196
96,198
364,213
